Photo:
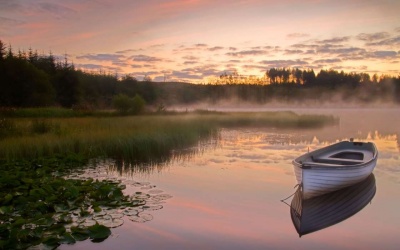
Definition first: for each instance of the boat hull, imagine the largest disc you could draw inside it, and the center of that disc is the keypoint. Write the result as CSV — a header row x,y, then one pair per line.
x,y
320,178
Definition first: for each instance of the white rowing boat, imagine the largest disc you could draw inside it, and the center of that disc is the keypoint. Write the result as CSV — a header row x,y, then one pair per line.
x,y
334,167
329,209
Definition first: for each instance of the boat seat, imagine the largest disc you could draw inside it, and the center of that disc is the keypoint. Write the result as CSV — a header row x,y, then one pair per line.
x,y
336,161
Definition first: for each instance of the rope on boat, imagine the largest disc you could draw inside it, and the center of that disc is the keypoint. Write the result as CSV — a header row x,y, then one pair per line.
x,y
284,200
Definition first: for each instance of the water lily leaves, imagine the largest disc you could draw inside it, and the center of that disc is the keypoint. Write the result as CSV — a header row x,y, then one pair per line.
x,y
27,180
79,234
45,221
51,242
97,232
97,209
141,196
155,191
6,209
61,207
71,192
161,197
108,221
141,217
41,246
67,238
116,215
7,198
152,207
137,202
132,211
41,210
56,229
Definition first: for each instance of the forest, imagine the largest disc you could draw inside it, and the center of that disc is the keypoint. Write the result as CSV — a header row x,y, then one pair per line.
x,y
28,79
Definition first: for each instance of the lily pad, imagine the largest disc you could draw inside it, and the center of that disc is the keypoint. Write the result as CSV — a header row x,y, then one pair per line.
x,y
67,238
110,222
79,234
99,232
41,246
116,215
152,207
141,217
88,222
155,191
160,197
132,211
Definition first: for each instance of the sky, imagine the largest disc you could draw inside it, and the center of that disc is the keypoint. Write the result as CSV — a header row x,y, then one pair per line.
x,y
197,40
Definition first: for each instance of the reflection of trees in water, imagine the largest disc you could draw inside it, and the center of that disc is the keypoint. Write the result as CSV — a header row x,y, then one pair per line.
x,y
130,167
242,138
327,135
398,143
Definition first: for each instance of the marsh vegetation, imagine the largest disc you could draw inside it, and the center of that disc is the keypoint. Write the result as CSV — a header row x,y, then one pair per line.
x,y
136,138
39,148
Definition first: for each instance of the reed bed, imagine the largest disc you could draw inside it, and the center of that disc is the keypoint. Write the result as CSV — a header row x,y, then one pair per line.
x,y
136,138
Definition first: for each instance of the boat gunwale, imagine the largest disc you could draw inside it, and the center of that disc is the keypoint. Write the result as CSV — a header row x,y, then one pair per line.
x,y
326,166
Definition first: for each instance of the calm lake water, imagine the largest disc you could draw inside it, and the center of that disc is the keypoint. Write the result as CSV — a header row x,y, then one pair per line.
x,y
226,193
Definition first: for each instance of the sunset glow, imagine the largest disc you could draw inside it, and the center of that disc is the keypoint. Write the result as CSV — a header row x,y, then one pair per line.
x,y
194,40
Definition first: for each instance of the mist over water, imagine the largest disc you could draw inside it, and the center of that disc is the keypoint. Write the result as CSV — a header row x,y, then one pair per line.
x,y
227,195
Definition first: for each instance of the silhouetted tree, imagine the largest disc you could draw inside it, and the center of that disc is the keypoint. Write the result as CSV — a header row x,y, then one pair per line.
x,y
2,50
24,85
67,86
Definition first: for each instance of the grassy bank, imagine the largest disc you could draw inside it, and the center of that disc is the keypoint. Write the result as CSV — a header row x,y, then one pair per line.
x,y
38,207
137,138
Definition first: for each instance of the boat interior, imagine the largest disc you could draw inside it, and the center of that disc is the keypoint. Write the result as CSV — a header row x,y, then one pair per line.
x,y
352,154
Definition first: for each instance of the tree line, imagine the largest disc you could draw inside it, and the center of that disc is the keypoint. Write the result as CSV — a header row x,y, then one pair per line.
x,y
29,79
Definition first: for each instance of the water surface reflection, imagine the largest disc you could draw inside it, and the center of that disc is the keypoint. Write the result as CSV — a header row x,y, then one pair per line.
x,y
227,196
326,210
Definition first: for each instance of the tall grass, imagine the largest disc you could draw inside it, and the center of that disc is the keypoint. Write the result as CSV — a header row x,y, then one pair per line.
x,y
136,138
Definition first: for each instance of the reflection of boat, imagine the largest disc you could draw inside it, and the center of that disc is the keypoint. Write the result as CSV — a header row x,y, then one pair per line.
x,y
326,210
334,167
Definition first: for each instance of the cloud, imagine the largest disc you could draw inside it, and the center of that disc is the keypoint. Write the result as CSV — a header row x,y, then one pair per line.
x,y
215,48
304,46
328,61
384,54
203,70
372,36
297,35
351,68
127,51
7,5
284,63
254,52
89,66
387,42
338,49
189,62
252,67
155,46
292,51
136,66
309,52
7,22
120,64
102,57
190,58
144,58
185,75
335,40
55,9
